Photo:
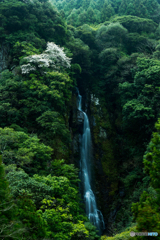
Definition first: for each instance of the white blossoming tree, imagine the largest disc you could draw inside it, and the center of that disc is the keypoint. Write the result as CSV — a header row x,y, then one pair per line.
x,y
53,57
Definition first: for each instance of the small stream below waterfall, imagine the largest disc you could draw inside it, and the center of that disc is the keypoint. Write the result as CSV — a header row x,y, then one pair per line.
x,y
94,215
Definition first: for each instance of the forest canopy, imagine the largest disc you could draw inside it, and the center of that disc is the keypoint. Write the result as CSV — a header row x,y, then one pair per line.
x,y
110,51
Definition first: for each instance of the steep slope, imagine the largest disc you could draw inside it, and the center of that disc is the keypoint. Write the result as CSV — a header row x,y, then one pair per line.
x,y
116,65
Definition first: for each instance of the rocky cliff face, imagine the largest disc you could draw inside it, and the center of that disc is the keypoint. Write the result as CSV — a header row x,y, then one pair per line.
x,y
105,166
76,129
105,162
4,56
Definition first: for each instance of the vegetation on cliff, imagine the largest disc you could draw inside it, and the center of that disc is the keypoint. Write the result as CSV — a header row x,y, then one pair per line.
x,y
111,50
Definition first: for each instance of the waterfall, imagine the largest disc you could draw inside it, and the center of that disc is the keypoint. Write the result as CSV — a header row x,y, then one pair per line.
x,y
94,215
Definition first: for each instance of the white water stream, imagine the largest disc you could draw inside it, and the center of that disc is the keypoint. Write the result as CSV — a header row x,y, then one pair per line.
x,y
94,215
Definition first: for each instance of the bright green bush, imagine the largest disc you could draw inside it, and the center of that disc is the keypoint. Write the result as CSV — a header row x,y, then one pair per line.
x,y
121,236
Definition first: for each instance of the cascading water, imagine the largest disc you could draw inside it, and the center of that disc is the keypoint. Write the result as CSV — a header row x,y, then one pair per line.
x,y
94,215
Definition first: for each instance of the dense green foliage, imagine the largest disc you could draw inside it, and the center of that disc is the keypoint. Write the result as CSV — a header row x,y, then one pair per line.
x,y
32,21
43,200
10,226
53,198
122,71
146,212
111,50
94,12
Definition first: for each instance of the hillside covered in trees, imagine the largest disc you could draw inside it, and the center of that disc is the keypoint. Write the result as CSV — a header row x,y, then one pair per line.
x,y
110,51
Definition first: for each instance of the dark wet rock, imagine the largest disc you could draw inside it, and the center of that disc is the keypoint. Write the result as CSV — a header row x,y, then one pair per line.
x,y
4,56
76,121
80,117
102,133
121,193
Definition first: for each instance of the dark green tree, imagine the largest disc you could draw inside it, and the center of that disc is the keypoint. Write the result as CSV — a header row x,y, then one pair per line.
x,y
146,211
10,225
